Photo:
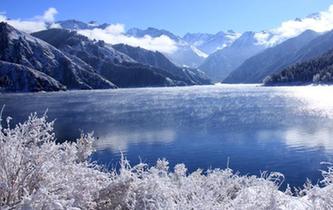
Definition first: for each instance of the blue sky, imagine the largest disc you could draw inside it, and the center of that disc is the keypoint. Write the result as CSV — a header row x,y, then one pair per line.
x,y
178,16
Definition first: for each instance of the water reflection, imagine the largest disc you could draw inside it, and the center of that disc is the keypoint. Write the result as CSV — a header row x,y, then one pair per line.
x,y
300,138
321,137
317,100
119,141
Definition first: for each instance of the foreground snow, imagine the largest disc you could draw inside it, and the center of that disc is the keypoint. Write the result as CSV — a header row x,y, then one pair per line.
x,y
37,173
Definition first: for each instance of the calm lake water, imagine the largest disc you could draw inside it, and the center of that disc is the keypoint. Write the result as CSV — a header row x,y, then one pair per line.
x,y
285,129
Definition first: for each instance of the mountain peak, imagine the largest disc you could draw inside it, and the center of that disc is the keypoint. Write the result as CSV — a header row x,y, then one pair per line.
x,y
231,31
93,22
247,38
315,15
309,31
8,32
73,24
5,27
24,49
153,32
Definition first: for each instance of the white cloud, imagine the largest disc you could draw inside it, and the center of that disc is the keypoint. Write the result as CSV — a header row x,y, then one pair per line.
x,y
55,25
49,15
115,29
115,34
262,37
320,22
26,26
37,23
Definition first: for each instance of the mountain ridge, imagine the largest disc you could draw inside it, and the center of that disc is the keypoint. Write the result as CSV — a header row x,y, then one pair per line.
x,y
221,63
256,68
24,49
109,62
318,71
158,60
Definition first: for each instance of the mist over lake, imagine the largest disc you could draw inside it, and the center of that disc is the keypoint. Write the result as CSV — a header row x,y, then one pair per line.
x,y
250,127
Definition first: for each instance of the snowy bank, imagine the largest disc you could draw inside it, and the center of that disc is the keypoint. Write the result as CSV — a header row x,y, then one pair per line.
x,y
37,173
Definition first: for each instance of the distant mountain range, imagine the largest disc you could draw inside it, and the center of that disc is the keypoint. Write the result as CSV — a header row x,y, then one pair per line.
x,y
222,62
210,43
75,62
192,49
119,68
153,32
158,60
256,68
79,25
215,54
302,48
61,58
185,55
228,56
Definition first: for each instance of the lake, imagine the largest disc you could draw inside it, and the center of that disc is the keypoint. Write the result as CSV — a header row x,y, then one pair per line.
x,y
285,129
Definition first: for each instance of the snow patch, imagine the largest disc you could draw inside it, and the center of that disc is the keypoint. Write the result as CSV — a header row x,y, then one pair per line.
x,y
199,52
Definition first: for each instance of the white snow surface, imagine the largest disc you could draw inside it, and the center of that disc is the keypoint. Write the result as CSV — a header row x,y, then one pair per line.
x,y
199,52
37,173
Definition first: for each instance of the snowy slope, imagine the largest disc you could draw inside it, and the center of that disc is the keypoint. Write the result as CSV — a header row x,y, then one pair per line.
x,y
271,60
18,78
221,63
21,48
113,65
210,43
158,60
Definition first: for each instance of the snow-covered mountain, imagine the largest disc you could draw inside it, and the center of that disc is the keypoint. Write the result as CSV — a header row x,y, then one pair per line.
x,y
112,64
210,43
256,68
197,39
59,59
296,50
185,55
15,77
153,32
221,63
158,60
21,48
190,50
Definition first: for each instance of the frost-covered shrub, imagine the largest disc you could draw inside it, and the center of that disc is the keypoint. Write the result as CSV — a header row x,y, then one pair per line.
x,y
37,173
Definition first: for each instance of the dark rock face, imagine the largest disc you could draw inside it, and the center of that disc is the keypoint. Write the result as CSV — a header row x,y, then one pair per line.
x,y
19,78
21,48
